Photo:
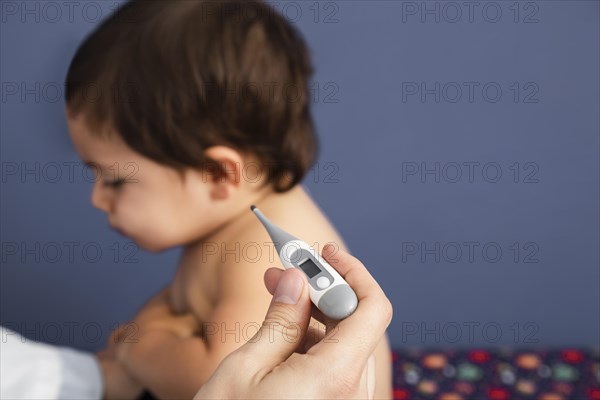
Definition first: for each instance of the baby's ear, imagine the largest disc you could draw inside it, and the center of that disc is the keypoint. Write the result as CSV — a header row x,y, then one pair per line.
x,y
226,175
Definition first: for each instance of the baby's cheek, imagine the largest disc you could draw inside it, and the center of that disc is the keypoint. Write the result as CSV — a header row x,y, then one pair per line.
x,y
161,229
131,219
154,224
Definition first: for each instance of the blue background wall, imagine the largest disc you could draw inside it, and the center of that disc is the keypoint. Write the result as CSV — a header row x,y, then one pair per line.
x,y
533,117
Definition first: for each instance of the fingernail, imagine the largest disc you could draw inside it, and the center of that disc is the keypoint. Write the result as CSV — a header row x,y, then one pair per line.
x,y
289,288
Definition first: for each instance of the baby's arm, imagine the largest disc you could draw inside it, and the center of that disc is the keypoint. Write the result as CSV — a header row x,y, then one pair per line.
x,y
172,360
157,332
118,384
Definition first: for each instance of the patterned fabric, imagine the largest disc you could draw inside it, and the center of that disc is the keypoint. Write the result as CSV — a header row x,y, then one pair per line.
x,y
497,374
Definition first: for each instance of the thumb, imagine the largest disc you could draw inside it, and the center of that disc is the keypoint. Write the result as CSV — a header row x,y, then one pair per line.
x,y
285,324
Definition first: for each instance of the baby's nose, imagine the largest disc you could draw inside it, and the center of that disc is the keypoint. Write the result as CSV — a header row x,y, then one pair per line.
x,y
100,198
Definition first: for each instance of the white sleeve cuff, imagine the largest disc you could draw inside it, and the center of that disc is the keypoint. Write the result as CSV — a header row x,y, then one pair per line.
x,y
33,370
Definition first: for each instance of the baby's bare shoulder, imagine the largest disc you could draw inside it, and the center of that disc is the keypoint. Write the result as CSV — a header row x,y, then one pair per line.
x,y
245,257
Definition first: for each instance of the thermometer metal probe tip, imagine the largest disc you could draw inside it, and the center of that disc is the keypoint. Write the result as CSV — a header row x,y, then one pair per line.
x,y
279,237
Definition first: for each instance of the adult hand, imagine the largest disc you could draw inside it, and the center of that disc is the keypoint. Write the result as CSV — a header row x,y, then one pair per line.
x,y
339,365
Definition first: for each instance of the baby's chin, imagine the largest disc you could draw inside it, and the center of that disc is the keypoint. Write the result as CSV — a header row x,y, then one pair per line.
x,y
150,243
150,239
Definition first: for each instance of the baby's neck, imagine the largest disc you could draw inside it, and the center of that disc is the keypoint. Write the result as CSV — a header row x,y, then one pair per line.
x,y
244,219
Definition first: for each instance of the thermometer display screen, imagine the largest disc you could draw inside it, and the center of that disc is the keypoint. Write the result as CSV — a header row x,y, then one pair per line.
x,y
310,268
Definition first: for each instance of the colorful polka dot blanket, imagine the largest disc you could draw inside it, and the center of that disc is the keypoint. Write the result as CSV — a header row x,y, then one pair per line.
x,y
503,374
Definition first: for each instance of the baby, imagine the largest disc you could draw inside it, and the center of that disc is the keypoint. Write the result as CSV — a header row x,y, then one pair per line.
x,y
191,111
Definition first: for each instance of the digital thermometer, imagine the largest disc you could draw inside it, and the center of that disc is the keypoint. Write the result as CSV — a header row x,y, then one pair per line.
x,y
328,290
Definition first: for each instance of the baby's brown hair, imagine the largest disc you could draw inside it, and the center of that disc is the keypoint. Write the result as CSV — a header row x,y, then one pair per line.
x,y
174,77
